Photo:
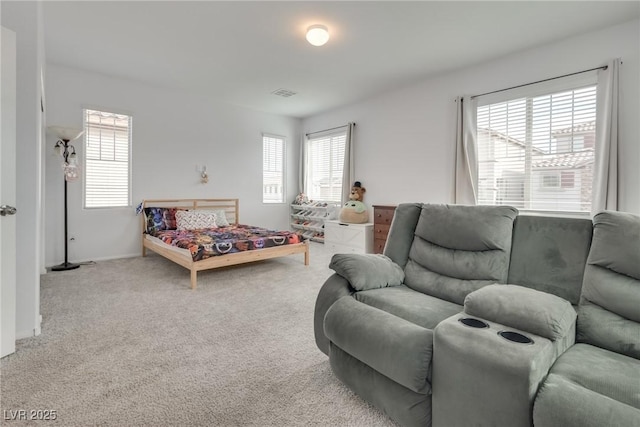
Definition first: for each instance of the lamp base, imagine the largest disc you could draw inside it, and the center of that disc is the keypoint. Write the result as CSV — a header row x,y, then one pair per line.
x,y
65,266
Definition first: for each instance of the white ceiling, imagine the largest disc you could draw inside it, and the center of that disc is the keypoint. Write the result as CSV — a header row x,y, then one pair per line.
x,y
240,52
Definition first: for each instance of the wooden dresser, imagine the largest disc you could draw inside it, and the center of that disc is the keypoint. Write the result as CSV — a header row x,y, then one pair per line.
x,y
382,216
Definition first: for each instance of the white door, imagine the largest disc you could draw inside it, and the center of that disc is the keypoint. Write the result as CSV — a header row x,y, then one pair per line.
x,y
7,193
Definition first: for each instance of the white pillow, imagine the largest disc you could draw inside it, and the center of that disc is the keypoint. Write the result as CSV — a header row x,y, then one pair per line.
x,y
194,220
221,217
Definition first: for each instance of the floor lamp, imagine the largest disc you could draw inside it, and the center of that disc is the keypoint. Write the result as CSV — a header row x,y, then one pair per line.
x,y
71,173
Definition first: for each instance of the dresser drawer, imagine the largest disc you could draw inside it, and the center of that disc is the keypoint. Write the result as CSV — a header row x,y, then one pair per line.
x,y
381,231
378,246
383,215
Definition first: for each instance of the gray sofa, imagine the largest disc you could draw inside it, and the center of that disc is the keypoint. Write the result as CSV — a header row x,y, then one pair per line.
x,y
428,333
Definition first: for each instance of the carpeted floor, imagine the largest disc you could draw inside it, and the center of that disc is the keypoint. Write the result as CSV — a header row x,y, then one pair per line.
x,y
127,343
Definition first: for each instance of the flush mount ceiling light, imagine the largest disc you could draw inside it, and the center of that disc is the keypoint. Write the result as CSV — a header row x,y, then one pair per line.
x,y
317,35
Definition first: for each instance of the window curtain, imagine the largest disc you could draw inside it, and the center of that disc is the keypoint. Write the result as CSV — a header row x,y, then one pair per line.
x,y
605,174
466,176
348,175
302,167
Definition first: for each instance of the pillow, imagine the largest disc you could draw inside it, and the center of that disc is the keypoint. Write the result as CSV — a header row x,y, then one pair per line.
x,y
367,271
195,220
159,219
221,216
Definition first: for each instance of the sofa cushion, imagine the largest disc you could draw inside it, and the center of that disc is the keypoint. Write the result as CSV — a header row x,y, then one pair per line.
x,y
561,402
604,372
367,271
608,315
458,249
403,226
590,387
523,308
608,330
396,348
549,254
616,237
416,307
467,228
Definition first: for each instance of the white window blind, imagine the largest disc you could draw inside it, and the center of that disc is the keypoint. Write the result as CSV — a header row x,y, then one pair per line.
x,y
537,152
107,159
272,169
325,162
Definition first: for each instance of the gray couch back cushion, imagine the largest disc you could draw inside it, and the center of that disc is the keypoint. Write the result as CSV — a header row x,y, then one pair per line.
x,y
549,254
457,249
401,232
609,313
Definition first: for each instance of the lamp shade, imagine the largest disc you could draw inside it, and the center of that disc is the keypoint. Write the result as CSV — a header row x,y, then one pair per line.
x,y
65,133
317,35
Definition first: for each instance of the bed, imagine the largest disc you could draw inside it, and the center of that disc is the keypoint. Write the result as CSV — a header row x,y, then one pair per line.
x,y
211,247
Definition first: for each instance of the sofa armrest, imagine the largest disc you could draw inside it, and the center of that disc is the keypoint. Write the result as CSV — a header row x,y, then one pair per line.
x,y
367,271
483,378
523,308
334,288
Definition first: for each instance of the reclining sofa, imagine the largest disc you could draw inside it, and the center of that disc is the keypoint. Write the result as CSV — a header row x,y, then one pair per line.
x,y
471,315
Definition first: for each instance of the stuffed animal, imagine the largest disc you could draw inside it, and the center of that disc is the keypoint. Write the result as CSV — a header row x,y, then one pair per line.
x,y
301,199
355,211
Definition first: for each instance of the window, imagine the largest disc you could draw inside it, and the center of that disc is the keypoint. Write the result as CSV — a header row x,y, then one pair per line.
x,y
324,165
536,150
272,169
551,181
107,181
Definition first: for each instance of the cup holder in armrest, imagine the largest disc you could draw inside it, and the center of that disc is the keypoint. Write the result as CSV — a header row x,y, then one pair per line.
x,y
473,323
515,337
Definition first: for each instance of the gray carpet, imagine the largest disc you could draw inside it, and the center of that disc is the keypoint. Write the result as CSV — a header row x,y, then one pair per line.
x,y
127,343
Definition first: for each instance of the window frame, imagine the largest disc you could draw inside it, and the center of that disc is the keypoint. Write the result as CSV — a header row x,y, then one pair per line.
x,y
129,155
529,92
329,134
284,168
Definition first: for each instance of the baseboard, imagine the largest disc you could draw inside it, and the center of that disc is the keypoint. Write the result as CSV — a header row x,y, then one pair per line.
x,y
109,258
20,335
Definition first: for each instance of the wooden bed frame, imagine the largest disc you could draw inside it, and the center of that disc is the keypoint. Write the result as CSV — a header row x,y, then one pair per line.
x,y
230,206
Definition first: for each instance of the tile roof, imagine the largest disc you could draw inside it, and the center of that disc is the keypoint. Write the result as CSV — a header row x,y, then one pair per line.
x,y
574,160
579,128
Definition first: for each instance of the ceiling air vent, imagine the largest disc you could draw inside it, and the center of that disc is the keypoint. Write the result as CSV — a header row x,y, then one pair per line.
x,y
285,93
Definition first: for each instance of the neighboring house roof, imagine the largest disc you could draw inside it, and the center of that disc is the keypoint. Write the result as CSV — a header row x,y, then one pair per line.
x,y
499,135
579,128
494,134
575,160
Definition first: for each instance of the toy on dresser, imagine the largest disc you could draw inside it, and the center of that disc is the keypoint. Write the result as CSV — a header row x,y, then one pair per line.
x,y
355,211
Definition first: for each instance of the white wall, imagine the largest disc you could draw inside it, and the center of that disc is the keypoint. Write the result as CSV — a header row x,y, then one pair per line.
x,y
405,139
25,18
172,132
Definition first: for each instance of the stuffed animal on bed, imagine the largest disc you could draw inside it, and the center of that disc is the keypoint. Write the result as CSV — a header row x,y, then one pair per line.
x,y
355,211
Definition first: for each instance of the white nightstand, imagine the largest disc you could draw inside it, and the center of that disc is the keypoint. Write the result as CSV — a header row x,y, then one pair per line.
x,y
340,237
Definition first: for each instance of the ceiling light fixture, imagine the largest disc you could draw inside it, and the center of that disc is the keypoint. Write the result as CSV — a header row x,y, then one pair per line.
x,y
317,35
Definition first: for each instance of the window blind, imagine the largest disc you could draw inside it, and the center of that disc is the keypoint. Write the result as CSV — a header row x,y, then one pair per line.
x,y
107,159
325,163
272,169
536,152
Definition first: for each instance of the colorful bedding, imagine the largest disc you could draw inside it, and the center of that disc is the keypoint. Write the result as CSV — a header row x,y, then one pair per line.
x,y
210,242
